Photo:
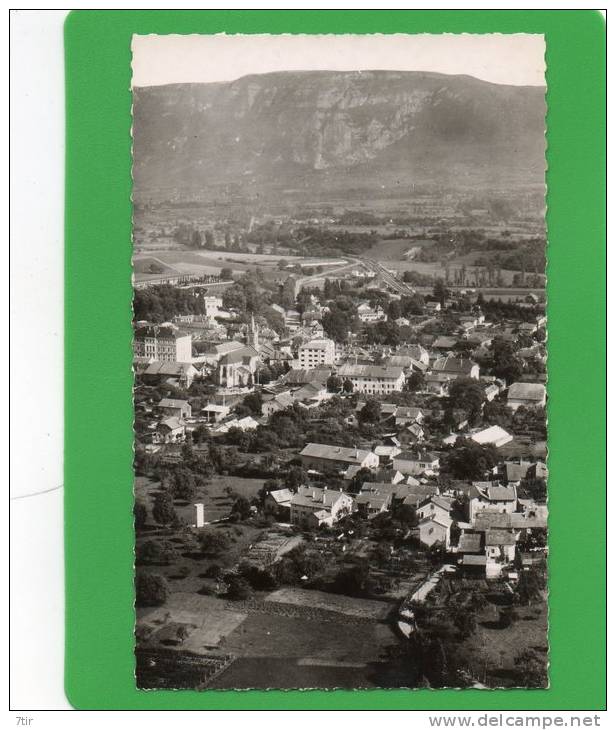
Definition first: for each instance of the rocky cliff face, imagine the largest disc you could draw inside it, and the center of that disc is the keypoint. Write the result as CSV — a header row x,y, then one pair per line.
x,y
285,129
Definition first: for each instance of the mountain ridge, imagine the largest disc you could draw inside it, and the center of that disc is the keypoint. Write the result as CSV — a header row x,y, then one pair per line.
x,y
315,129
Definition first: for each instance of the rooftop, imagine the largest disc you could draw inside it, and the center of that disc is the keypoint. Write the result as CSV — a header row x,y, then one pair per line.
x,y
335,453
370,371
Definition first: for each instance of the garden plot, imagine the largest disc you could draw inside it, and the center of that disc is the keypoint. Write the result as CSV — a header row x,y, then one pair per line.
x,y
345,605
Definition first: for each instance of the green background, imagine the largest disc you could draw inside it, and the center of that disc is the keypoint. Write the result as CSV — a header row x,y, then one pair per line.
x,y
98,417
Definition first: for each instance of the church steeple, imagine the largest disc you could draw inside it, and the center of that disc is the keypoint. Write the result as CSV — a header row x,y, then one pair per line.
x,y
252,334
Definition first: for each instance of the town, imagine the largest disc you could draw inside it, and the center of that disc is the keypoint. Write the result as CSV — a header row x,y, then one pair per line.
x,y
340,465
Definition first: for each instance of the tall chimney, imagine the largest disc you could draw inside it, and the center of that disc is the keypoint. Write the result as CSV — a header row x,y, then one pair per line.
x,y
200,519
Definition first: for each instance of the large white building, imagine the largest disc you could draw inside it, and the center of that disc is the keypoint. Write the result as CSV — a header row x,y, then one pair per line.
x,y
164,343
317,352
324,457
314,506
373,379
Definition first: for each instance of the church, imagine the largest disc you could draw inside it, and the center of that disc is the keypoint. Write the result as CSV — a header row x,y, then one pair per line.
x,y
237,368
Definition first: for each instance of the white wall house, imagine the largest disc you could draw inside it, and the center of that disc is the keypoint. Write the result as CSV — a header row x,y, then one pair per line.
x,y
313,506
317,352
164,343
416,462
373,379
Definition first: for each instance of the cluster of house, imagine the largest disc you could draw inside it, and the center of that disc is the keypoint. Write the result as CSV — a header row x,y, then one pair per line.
x,y
403,470
488,531
166,350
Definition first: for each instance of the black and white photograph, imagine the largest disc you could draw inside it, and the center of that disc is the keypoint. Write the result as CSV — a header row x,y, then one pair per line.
x,y
339,361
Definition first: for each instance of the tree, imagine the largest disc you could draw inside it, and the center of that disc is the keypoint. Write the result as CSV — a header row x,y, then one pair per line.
x,y
163,511
294,477
259,579
394,310
254,403
535,488
434,663
151,589
415,381
504,362
239,589
156,552
214,542
197,239
529,587
440,291
405,514
363,475
347,386
351,581
371,412
470,460
467,395
334,384
241,507
466,623
531,668
497,414
226,273
140,513
182,484
234,298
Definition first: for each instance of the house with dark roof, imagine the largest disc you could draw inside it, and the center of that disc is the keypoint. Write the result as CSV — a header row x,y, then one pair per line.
x,y
371,504
178,373
299,377
514,471
169,431
416,462
274,403
444,343
408,414
435,506
327,457
278,502
492,497
470,543
531,395
175,407
434,530
316,506
456,367
500,551
373,379
438,383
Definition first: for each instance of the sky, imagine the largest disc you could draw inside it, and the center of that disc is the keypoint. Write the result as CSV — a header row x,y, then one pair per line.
x,y
503,59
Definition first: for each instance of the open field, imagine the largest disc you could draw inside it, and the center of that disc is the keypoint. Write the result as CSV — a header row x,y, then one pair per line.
x,y
394,250
215,498
207,619
182,261
494,650
344,605
152,265
490,651
280,652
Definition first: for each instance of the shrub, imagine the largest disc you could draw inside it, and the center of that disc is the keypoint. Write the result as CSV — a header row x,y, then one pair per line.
x,y
140,513
151,589
213,542
239,588
154,552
